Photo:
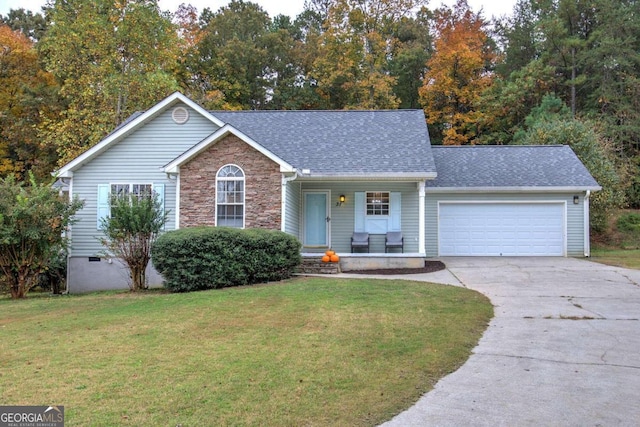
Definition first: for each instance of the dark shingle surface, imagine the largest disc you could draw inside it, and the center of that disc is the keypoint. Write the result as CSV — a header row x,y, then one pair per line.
x,y
509,166
341,143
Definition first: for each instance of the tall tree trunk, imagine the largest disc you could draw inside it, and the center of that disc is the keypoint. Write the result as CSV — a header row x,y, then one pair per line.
x,y
573,82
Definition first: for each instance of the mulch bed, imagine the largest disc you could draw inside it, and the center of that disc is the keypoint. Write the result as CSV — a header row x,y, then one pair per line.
x,y
429,267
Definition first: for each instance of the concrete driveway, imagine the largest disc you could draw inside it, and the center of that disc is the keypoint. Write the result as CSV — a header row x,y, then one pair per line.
x,y
562,350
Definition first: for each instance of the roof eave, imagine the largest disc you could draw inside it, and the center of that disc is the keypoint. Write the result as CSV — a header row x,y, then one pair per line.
x,y
407,177
529,189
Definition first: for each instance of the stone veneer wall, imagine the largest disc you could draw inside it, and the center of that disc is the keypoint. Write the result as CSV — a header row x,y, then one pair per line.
x,y
263,185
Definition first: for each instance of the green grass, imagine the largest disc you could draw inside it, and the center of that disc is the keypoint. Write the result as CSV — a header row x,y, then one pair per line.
x,y
628,258
310,351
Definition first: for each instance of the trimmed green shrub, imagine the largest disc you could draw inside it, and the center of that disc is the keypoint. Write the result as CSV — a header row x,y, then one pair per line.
x,y
199,258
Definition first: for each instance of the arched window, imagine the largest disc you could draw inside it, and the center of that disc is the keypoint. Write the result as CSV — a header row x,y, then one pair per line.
x,y
230,197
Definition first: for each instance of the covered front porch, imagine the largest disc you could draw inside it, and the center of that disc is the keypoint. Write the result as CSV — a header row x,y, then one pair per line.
x,y
325,215
312,262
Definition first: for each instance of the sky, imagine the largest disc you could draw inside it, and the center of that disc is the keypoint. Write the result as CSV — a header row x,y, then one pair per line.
x,y
275,7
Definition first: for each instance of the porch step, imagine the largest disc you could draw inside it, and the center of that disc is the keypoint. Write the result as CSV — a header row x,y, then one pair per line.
x,y
313,265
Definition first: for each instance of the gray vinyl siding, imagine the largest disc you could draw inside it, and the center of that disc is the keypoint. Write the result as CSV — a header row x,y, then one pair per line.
x,y
574,220
138,158
343,217
292,209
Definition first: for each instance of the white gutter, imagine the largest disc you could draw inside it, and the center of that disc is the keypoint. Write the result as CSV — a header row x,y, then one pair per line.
x,y
366,177
510,189
283,197
587,237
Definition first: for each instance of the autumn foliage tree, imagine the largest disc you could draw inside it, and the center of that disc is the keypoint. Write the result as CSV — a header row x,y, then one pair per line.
x,y
458,72
24,88
352,67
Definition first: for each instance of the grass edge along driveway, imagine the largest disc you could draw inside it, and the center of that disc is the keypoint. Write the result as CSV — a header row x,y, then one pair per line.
x,y
308,351
626,258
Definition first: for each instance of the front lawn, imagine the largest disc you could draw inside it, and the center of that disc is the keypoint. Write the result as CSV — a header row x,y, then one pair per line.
x,y
309,351
628,258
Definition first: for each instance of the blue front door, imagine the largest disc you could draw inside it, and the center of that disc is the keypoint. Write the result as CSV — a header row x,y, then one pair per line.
x,y
316,219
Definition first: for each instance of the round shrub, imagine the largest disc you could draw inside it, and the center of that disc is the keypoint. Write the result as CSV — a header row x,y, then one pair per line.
x,y
199,258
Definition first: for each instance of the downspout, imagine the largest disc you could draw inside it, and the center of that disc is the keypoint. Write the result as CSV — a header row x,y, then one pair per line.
x,y
177,219
283,198
587,237
421,218
175,176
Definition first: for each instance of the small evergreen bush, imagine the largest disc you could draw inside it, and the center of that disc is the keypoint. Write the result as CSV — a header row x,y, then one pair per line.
x,y
199,258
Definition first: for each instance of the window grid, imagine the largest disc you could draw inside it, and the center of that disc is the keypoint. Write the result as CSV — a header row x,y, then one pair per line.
x,y
124,190
230,197
378,203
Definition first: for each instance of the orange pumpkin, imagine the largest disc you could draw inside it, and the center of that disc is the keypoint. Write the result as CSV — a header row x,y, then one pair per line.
x,y
334,258
329,252
326,258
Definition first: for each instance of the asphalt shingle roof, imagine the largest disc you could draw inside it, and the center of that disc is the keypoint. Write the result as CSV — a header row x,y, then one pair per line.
x,y
509,166
341,143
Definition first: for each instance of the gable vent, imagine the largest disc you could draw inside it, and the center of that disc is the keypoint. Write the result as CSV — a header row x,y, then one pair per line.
x,y
180,115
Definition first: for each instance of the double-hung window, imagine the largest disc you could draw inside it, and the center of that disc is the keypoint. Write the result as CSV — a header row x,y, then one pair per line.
x,y
107,192
230,197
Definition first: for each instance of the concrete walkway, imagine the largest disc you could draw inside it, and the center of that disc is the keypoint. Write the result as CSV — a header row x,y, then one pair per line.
x,y
562,350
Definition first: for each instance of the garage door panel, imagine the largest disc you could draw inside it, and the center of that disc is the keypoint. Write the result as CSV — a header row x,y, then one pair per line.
x,y
495,229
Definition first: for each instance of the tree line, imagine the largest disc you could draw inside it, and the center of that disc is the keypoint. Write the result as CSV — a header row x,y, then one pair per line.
x,y
554,71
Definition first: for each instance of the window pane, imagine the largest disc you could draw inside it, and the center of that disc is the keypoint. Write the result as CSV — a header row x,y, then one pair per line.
x,y
141,190
378,203
230,192
119,190
230,215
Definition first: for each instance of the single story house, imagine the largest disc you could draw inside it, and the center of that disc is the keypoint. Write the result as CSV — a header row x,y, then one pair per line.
x,y
323,175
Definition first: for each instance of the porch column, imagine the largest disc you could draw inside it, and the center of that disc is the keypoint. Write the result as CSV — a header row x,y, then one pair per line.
x,y
421,219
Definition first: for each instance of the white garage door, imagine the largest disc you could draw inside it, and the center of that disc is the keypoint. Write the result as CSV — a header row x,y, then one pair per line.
x,y
501,229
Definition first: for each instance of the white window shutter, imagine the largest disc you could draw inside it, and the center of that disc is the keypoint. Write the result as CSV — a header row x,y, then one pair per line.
x,y
395,222
360,212
159,190
103,203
